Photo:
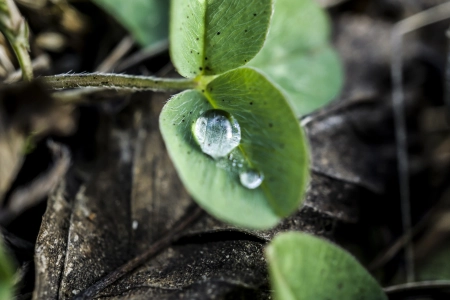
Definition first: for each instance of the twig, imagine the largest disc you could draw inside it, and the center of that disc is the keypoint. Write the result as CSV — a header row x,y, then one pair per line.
x,y
402,149
24,198
143,55
417,289
432,15
15,29
113,58
398,245
118,81
447,72
154,249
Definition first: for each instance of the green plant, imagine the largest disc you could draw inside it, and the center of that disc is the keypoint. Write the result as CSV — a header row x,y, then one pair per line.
x,y
15,29
6,274
302,266
234,134
233,137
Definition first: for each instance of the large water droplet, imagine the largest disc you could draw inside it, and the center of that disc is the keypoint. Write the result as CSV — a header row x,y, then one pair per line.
x,y
251,179
217,133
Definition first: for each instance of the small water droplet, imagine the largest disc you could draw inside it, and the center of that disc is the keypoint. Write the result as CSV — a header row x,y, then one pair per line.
x,y
217,133
251,179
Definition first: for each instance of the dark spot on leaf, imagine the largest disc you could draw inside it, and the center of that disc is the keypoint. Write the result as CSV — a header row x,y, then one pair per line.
x,y
207,68
254,15
191,51
197,39
182,120
218,33
251,103
203,91
206,58
201,69
270,125
246,30
245,60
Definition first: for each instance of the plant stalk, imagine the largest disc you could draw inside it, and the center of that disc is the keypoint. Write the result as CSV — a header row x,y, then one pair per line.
x,y
23,57
118,81
15,29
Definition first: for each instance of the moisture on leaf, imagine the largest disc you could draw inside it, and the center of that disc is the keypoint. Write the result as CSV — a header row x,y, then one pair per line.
x,y
253,183
302,266
147,20
211,37
298,57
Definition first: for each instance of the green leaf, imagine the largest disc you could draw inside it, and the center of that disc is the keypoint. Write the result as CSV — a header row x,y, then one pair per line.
x,y
272,142
214,36
6,274
147,20
302,266
298,57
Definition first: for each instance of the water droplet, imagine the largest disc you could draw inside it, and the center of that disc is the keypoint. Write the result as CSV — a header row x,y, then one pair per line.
x,y
251,179
217,133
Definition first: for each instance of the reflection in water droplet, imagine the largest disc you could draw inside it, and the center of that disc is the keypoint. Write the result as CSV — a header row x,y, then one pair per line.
x,y
251,179
217,133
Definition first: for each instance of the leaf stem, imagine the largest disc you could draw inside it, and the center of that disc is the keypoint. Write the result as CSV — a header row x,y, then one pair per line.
x,y
23,58
118,81
15,29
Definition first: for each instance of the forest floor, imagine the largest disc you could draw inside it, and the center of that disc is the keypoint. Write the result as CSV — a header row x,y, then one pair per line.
x,y
113,191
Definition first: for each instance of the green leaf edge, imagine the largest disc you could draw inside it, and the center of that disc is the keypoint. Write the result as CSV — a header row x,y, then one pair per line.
x,y
6,273
142,40
274,271
205,72
204,81
325,46
306,150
